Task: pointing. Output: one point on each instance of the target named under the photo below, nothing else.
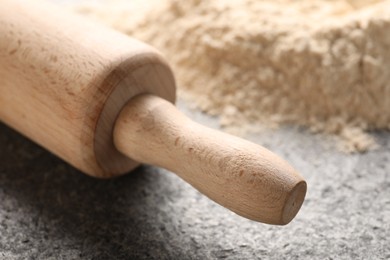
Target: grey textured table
(49, 210)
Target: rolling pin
(104, 103)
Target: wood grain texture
(240, 175)
(64, 79)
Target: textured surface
(49, 210)
(318, 63)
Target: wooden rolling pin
(103, 102)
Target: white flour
(316, 63)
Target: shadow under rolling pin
(103, 102)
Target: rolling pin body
(103, 102)
(63, 80)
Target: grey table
(49, 210)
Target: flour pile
(315, 63)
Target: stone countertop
(49, 210)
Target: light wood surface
(240, 175)
(64, 79)
(63, 82)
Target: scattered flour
(316, 63)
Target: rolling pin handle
(240, 175)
